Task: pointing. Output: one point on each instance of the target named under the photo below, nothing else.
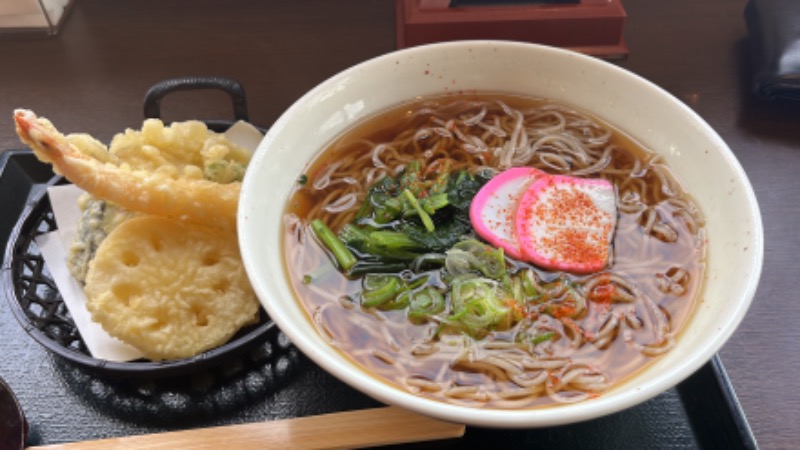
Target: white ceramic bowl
(652, 116)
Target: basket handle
(153, 97)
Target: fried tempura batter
(169, 288)
(159, 192)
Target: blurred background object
(594, 27)
(774, 30)
(36, 16)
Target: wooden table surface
(92, 77)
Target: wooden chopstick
(351, 429)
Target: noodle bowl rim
(257, 210)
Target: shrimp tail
(197, 201)
(50, 146)
(33, 132)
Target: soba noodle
(631, 311)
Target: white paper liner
(53, 245)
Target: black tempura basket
(37, 304)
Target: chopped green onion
(538, 339)
(424, 304)
(365, 210)
(391, 245)
(441, 180)
(471, 255)
(434, 203)
(421, 262)
(343, 255)
(399, 302)
(529, 284)
(426, 219)
(411, 174)
(387, 210)
(379, 289)
(354, 236)
(517, 290)
(419, 282)
(479, 306)
(302, 179)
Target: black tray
(65, 402)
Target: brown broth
(372, 338)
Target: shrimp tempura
(197, 201)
